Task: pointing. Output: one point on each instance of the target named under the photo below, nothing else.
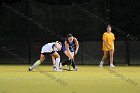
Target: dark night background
(85, 19)
(69, 16)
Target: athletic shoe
(101, 65)
(76, 68)
(112, 66)
(30, 69)
(58, 70)
(54, 68)
(60, 66)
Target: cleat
(76, 68)
(60, 66)
(58, 70)
(54, 68)
(112, 66)
(29, 69)
(101, 65)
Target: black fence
(90, 53)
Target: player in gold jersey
(108, 46)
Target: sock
(36, 64)
(57, 60)
(73, 63)
(69, 63)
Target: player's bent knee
(42, 60)
(56, 55)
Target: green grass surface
(88, 79)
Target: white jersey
(49, 48)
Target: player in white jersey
(49, 48)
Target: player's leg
(53, 60)
(111, 53)
(38, 62)
(74, 65)
(70, 57)
(65, 62)
(54, 63)
(56, 57)
(103, 58)
(69, 54)
(73, 62)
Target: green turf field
(88, 79)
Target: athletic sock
(57, 60)
(36, 64)
(73, 63)
(69, 64)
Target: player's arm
(66, 46)
(76, 45)
(104, 40)
(106, 44)
(114, 36)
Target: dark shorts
(48, 53)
